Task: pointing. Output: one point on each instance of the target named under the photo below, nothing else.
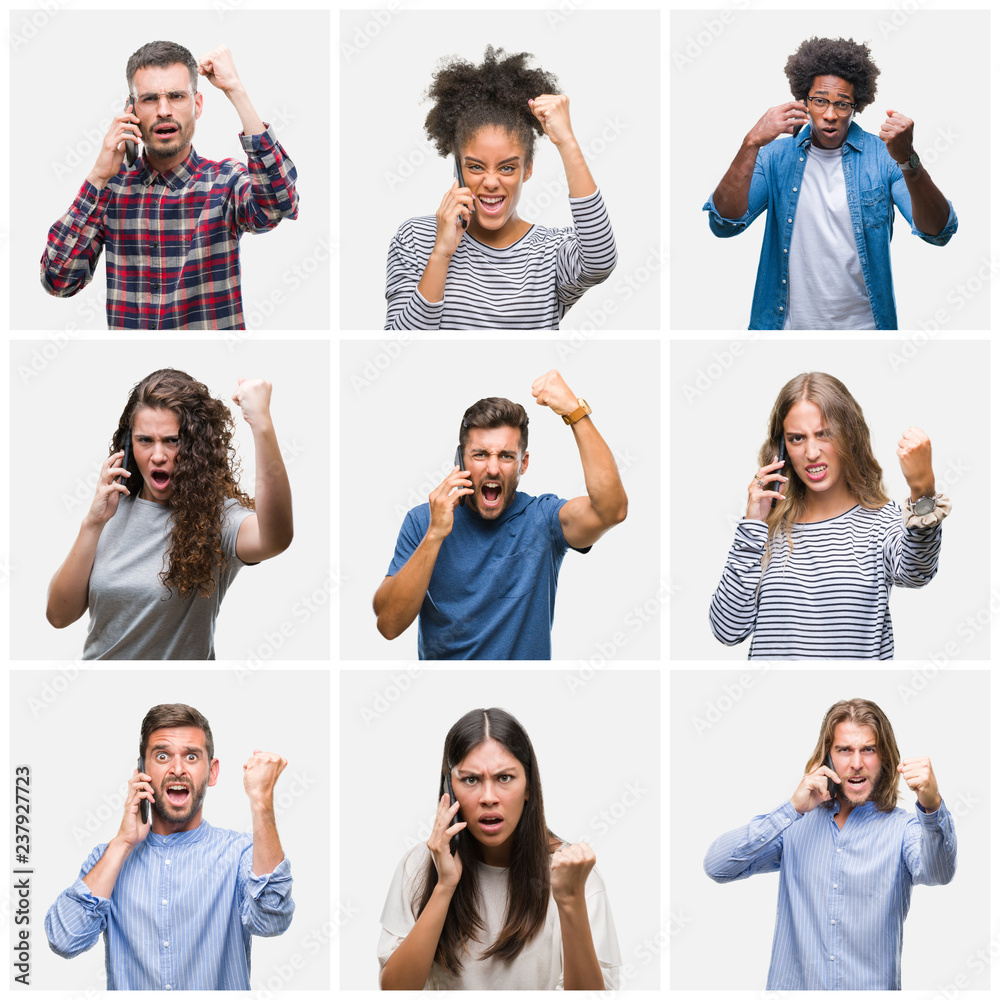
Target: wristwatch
(911, 163)
(578, 414)
(924, 505)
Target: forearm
(267, 851)
(273, 495)
(600, 473)
(732, 196)
(410, 964)
(578, 177)
(929, 205)
(101, 879)
(752, 849)
(69, 589)
(74, 245)
(251, 121)
(733, 611)
(399, 598)
(432, 282)
(581, 969)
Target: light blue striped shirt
(181, 914)
(842, 894)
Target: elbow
(387, 629)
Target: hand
(109, 490)
(448, 865)
(779, 120)
(260, 775)
(919, 775)
(457, 204)
(570, 867)
(444, 499)
(253, 395)
(897, 134)
(914, 453)
(552, 391)
(220, 70)
(112, 153)
(133, 831)
(813, 790)
(759, 504)
(552, 110)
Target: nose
(488, 794)
(856, 760)
(159, 453)
(493, 465)
(163, 108)
(829, 114)
(812, 448)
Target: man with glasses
(171, 222)
(829, 196)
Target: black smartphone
(782, 457)
(460, 462)
(143, 803)
(131, 149)
(457, 818)
(127, 455)
(461, 184)
(831, 785)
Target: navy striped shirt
(526, 286)
(842, 894)
(829, 597)
(181, 914)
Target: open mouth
(165, 131)
(490, 823)
(492, 204)
(857, 783)
(491, 492)
(160, 479)
(178, 795)
(815, 472)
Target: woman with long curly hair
(814, 560)
(477, 263)
(495, 900)
(169, 526)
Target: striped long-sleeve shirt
(172, 240)
(842, 894)
(181, 914)
(526, 286)
(829, 597)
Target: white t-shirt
(826, 289)
(537, 967)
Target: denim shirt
(874, 181)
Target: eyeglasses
(842, 108)
(180, 100)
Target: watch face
(914, 161)
(923, 506)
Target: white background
(720, 90)
(597, 741)
(400, 429)
(400, 175)
(72, 408)
(721, 423)
(80, 734)
(750, 757)
(81, 95)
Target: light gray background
(733, 79)
(941, 387)
(400, 431)
(759, 748)
(597, 740)
(77, 60)
(79, 733)
(277, 610)
(615, 109)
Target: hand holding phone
(451, 801)
(131, 149)
(143, 803)
(782, 457)
(461, 183)
(831, 785)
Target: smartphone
(143, 803)
(831, 785)
(782, 457)
(460, 462)
(461, 184)
(131, 149)
(451, 801)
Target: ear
(213, 771)
(524, 464)
(199, 100)
(527, 172)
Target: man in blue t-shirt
(481, 573)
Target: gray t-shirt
(133, 616)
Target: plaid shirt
(173, 239)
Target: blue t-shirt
(493, 590)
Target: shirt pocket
(874, 208)
(516, 574)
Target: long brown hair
(849, 434)
(861, 712)
(529, 870)
(206, 474)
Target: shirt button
(786, 249)
(835, 885)
(838, 850)
(794, 190)
(833, 921)
(762, 840)
(155, 287)
(163, 901)
(789, 221)
(781, 309)
(784, 281)
(166, 944)
(168, 987)
(831, 958)
(167, 861)
(801, 158)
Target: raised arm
(570, 867)
(930, 208)
(260, 774)
(930, 848)
(219, 69)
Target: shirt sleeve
(590, 255)
(756, 203)
(266, 904)
(75, 243)
(77, 918)
(265, 193)
(752, 849)
(602, 932)
(406, 308)
(930, 849)
(397, 917)
(733, 611)
(411, 534)
(911, 554)
(901, 197)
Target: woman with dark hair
(495, 900)
(476, 264)
(814, 560)
(169, 526)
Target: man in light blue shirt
(848, 858)
(177, 899)
(829, 194)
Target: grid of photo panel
(380, 336)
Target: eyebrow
(166, 746)
(838, 92)
(847, 746)
(510, 159)
(496, 774)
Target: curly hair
(468, 98)
(843, 57)
(206, 474)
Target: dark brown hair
(161, 54)
(494, 411)
(175, 716)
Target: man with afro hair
(829, 195)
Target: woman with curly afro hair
(830, 193)
(169, 526)
(477, 264)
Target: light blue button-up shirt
(842, 894)
(874, 183)
(181, 914)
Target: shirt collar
(176, 178)
(855, 137)
(178, 839)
